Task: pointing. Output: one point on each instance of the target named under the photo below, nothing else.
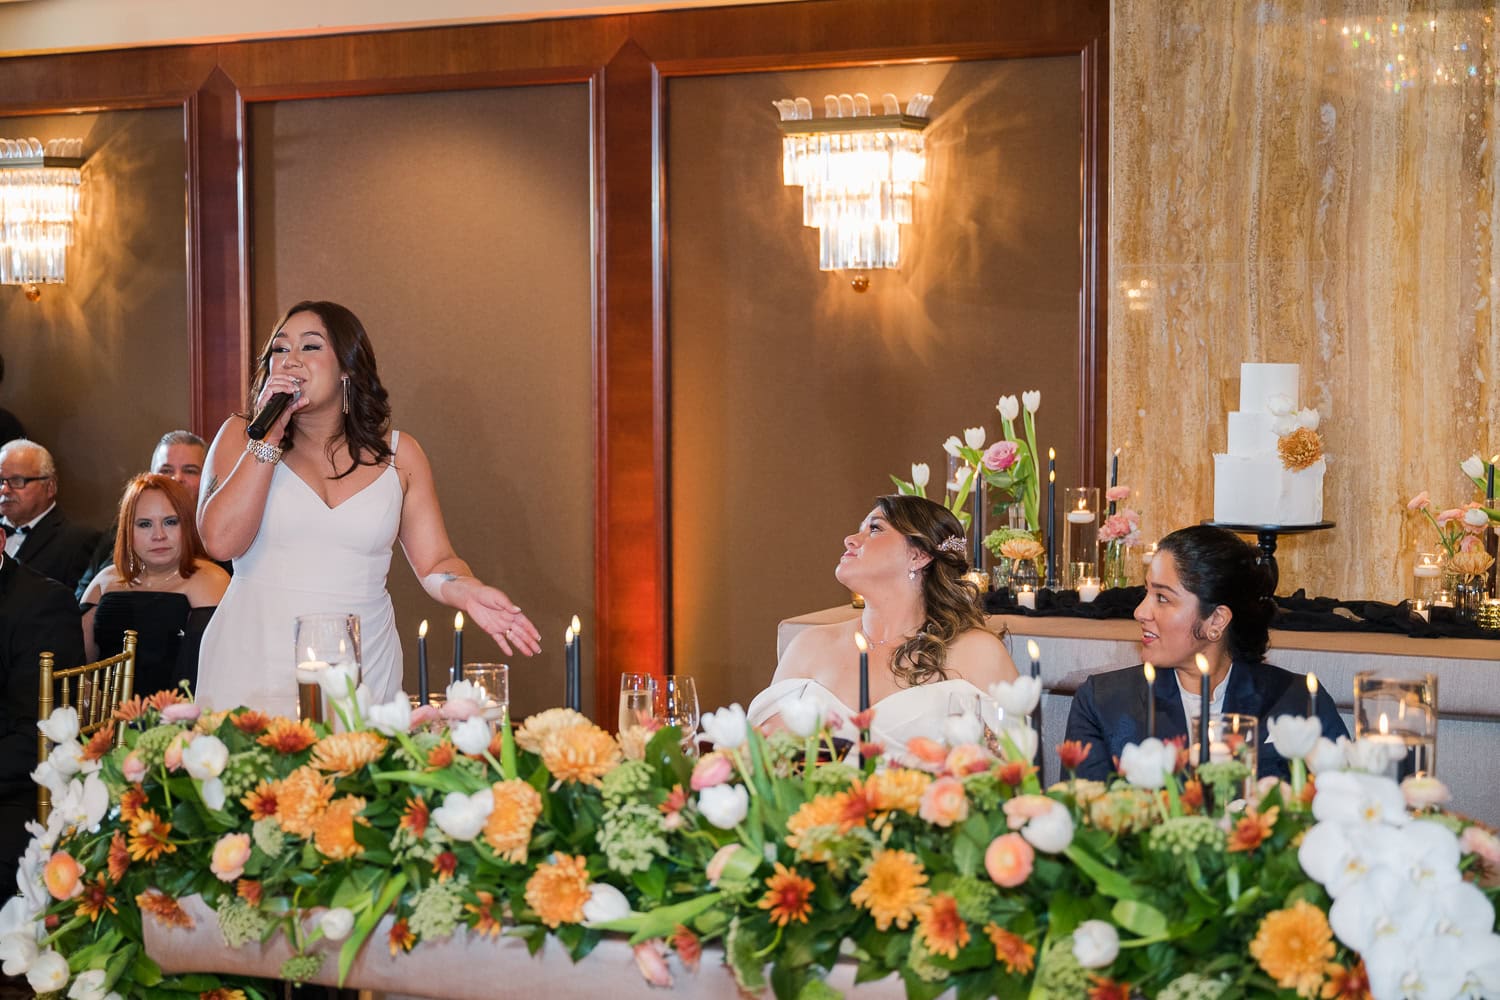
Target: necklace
(145, 582)
(887, 641)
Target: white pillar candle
(1026, 598)
(1088, 589)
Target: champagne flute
(637, 700)
(680, 709)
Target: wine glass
(637, 700)
(680, 709)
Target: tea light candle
(309, 669)
(1148, 554)
(1088, 589)
(1080, 516)
(1425, 571)
(1026, 597)
(1422, 609)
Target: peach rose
(944, 803)
(966, 758)
(927, 751)
(1477, 840)
(230, 855)
(173, 756)
(714, 769)
(133, 768)
(1025, 807)
(63, 876)
(715, 869)
(1009, 859)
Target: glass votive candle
(1026, 597)
(1231, 737)
(1422, 609)
(1080, 542)
(1088, 589)
(1427, 576)
(1400, 715)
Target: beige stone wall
(1284, 202)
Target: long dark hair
(949, 602)
(369, 413)
(129, 565)
(1218, 568)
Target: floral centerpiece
(950, 867)
(1120, 531)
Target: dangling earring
(911, 574)
(346, 393)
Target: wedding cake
(1273, 473)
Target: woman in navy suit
(1206, 594)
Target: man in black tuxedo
(36, 614)
(41, 537)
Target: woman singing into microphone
(309, 515)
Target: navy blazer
(1109, 711)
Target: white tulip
(962, 729)
(1372, 757)
(1475, 517)
(1018, 698)
(336, 923)
(952, 445)
(1308, 418)
(800, 715)
(1473, 466)
(1022, 736)
(1294, 735)
(1327, 755)
(725, 806)
(605, 903)
(88, 986)
(1009, 407)
(726, 728)
(463, 816)
(466, 691)
(205, 757)
(212, 792)
(974, 437)
(920, 474)
(1147, 764)
(1052, 831)
(1032, 400)
(1096, 943)
(17, 952)
(61, 726)
(471, 736)
(335, 680)
(392, 718)
(49, 973)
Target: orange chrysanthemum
(261, 801)
(250, 722)
(538, 729)
(130, 709)
(101, 743)
(333, 832)
(1011, 950)
(941, 928)
(164, 908)
(444, 865)
(345, 753)
(508, 830)
(898, 790)
(148, 836)
(485, 923)
(582, 754)
(131, 801)
(119, 857)
(677, 800)
(162, 699)
(1346, 983)
(441, 755)
(286, 736)
(558, 889)
(689, 949)
(301, 798)
(96, 899)
(415, 817)
(1105, 988)
(249, 890)
(222, 993)
(401, 938)
(1252, 829)
(856, 805)
(819, 812)
(1192, 795)
(788, 896)
(1293, 946)
(894, 889)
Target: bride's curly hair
(950, 603)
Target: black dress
(168, 632)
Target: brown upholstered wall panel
(456, 225)
(98, 369)
(793, 397)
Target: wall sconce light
(38, 199)
(857, 171)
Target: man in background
(39, 535)
(179, 455)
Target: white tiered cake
(1251, 484)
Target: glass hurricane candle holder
(1427, 576)
(493, 681)
(1400, 715)
(1232, 739)
(318, 643)
(1080, 541)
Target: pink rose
(460, 709)
(651, 959)
(715, 869)
(1117, 493)
(181, 711)
(424, 715)
(1000, 456)
(1421, 792)
(133, 768)
(713, 769)
(1479, 841)
(966, 758)
(1419, 502)
(944, 803)
(1025, 807)
(1451, 514)
(1009, 860)
(230, 855)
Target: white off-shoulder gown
(899, 717)
(307, 558)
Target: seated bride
(931, 654)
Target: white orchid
(1340, 855)
(1096, 943)
(1032, 400)
(1473, 466)
(920, 475)
(974, 437)
(1294, 735)
(1009, 407)
(1281, 405)
(800, 715)
(1147, 764)
(1371, 756)
(952, 445)
(61, 726)
(1018, 698)
(463, 816)
(605, 903)
(471, 736)
(18, 950)
(205, 757)
(336, 923)
(49, 777)
(726, 728)
(725, 806)
(1354, 797)
(1308, 418)
(1052, 831)
(67, 758)
(392, 718)
(82, 805)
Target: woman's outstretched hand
(492, 611)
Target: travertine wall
(1283, 200)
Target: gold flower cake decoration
(1300, 449)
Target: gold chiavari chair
(94, 689)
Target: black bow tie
(11, 529)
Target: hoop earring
(346, 393)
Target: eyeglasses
(18, 482)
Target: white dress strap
(395, 442)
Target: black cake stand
(1265, 537)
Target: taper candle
(422, 695)
(978, 524)
(1206, 694)
(1150, 700)
(575, 667)
(457, 673)
(1051, 517)
(1114, 477)
(864, 671)
(1489, 489)
(1312, 696)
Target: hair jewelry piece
(953, 543)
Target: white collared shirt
(16, 539)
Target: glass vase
(1117, 556)
(1468, 596)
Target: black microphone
(263, 420)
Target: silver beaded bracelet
(263, 452)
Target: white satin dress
(307, 558)
(899, 717)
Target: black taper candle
(1114, 477)
(457, 673)
(864, 671)
(423, 697)
(1150, 700)
(1205, 692)
(979, 519)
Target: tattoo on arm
(447, 577)
(211, 487)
